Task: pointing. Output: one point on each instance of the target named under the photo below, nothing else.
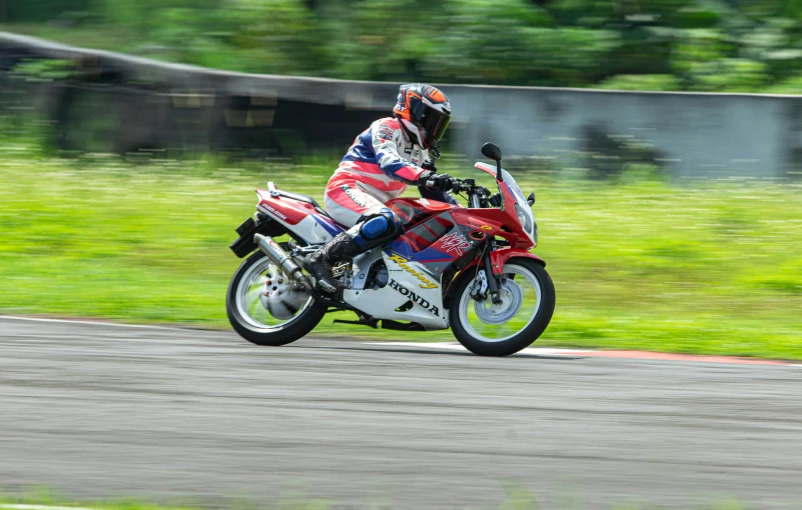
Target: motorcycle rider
(383, 160)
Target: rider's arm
(434, 194)
(386, 136)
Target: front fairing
(514, 203)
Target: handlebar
(460, 186)
(478, 196)
(469, 185)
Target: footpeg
(373, 323)
(326, 286)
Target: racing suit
(378, 167)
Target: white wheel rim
(503, 322)
(249, 290)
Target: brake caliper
(479, 287)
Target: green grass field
(516, 497)
(698, 267)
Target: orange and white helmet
(424, 111)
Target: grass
(517, 497)
(710, 268)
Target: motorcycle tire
(295, 328)
(469, 337)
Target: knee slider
(378, 229)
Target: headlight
(524, 218)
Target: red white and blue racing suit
(378, 167)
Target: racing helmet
(424, 111)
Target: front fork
(492, 280)
(486, 280)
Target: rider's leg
(377, 227)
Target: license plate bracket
(244, 244)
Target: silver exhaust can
(281, 258)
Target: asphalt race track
(101, 411)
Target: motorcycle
(464, 268)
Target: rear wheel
(266, 308)
(528, 299)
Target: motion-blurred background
(697, 45)
(670, 221)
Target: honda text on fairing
(464, 268)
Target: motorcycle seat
(309, 200)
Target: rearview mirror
(491, 151)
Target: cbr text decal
(454, 243)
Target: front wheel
(486, 329)
(266, 308)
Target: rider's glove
(440, 182)
(429, 165)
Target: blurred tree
(379, 40)
(508, 41)
(730, 75)
(490, 42)
(40, 10)
(279, 35)
(654, 44)
(661, 82)
(790, 86)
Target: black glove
(429, 165)
(440, 182)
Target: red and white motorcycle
(464, 268)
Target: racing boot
(340, 249)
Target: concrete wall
(151, 103)
(692, 135)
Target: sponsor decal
(402, 262)
(416, 158)
(414, 297)
(385, 133)
(274, 212)
(454, 243)
(353, 195)
(475, 224)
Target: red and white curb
(42, 507)
(83, 321)
(549, 352)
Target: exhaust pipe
(282, 259)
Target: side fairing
(436, 243)
(412, 292)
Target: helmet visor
(435, 124)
